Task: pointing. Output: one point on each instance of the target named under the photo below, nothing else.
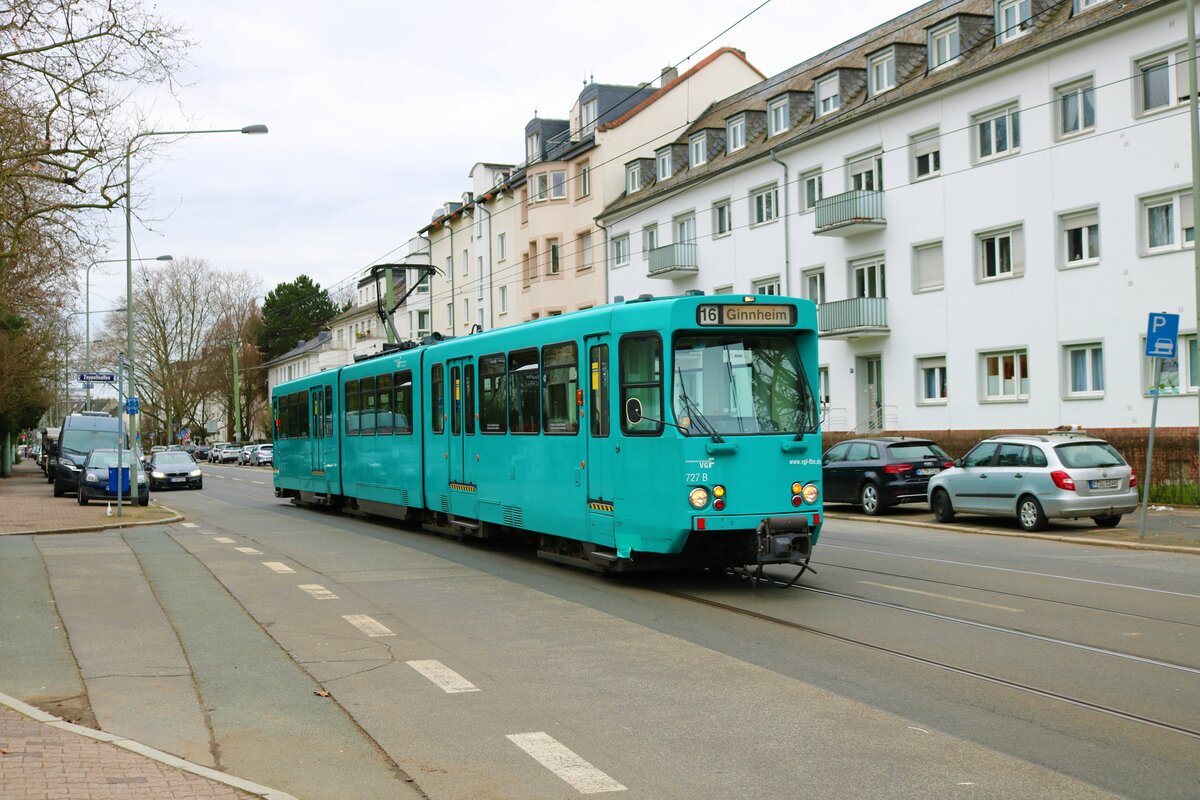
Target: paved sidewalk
(47, 759)
(28, 505)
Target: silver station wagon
(1036, 479)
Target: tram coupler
(784, 540)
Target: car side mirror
(633, 410)
(958, 462)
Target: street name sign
(97, 377)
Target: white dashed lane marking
(236, 479)
(223, 539)
(189, 525)
(368, 625)
(443, 677)
(318, 591)
(250, 551)
(260, 483)
(552, 755)
(277, 566)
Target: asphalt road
(916, 663)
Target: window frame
(1019, 396)
(807, 277)
(772, 284)
(484, 417)
(774, 107)
(1089, 349)
(350, 407)
(585, 180)
(1082, 216)
(649, 239)
(886, 59)
(764, 205)
(1078, 89)
(719, 206)
(697, 149)
(624, 386)
(558, 184)
(921, 144)
(543, 382)
(1010, 113)
(1016, 255)
(1186, 363)
(1173, 63)
(512, 387)
(735, 134)
(437, 391)
(812, 178)
(949, 33)
(821, 93)
(1175, 200)
(917, 250)
(620, 250)
(662, 164)
(633, 178)
(937, 365)
(874, 266)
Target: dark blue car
(93, 478)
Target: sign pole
(1150, 450)
(120, 428)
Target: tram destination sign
(746, 314)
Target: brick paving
(40, 762)
(28, 505)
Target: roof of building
(308, 346)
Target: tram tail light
(1062, 480)
(579, 397)
(719, 504)
(797, 500)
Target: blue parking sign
(1162, 333)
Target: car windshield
(84, 441)
(1089, 454)
(916, 450)
(742, 383)
(165, 459)
(102, 459)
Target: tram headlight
(810, 493)
(698, 497)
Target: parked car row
(250, 454)
(1034, 478)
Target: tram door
(599, 423)
(463, 499)
(316, 435)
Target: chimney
(668, 74)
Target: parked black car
(174, 470)
(92, 483)
(882, 472)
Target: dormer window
(881, 73)
(662, 164)
(778, 119)
(533, 147)
(697, 150)
(633, 178)
(828, 99)
(1012, 19)
(587, 118)
(735, 134)
(943, 44)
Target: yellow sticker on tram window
(456, 390)
(595, 376)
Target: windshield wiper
(689, 406)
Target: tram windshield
(741, 383)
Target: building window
(1162, 81)
(697, 150)
(662, 164)
(503, 297)
(1012, 19)
(778, 119)
(867, 173)
(928, 267)
(722, 218)
(943, 45)
(649, 240)
(1171, 371)
(933, 380)
(585, 179)
(764, 205)
(926, 149)
(450, 316)
(814, 285)
(1081, 238)
(881, 73)
(998, 133)
(1169, 222)
(735, 134)
(999, 254)
(811, 189)
(827, 98)
(585, 251)
(501, 247)
(869, 277)
(1006, 376)
(466, 311)
(552, 252)
(766, 286)
(558, 184)
(587, 118)
(633, 178)
(723, 290)
(542, 182)
(533, 147)
(620, 250)
(423, 328)
(466, 262)
(685, 229)
(1076, 109)
(1085, 370)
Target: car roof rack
(1039, 437)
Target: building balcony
(856, 318)
(850, 213)
(673, 261)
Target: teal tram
(652, 433)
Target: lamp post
(87, 343)
(129, 354)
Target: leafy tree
(294, 311)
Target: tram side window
(493, 394)
(598, 362)
(328, 411)
(455, 401)
(318, 411)
(437, 398)
(641, 377)
(302, 408)
(366, 414)
(383, 405)
(351, 408)
(524, 386)
(560, 382)
(403, 408)
(290, 421)
(469, 396)
(276, 433)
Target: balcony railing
(850, 213)
(855, 318)
(674, 260)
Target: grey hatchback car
(1036, 479)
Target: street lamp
(250, 129)
(87, 315)
(87, 345)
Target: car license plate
(928, 471)
(178, 480)
(1109, 483)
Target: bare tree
(236, 326)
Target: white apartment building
(986, 199)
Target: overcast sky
(377, 110)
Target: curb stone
(175, 517)
(169, 760)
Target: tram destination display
(746, 314)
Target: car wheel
(1107, 520)
(200, 485)
(868, 497)
(1030, 514)
(59, 489)
(943, 509)
(83, 499)
(143, 501)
